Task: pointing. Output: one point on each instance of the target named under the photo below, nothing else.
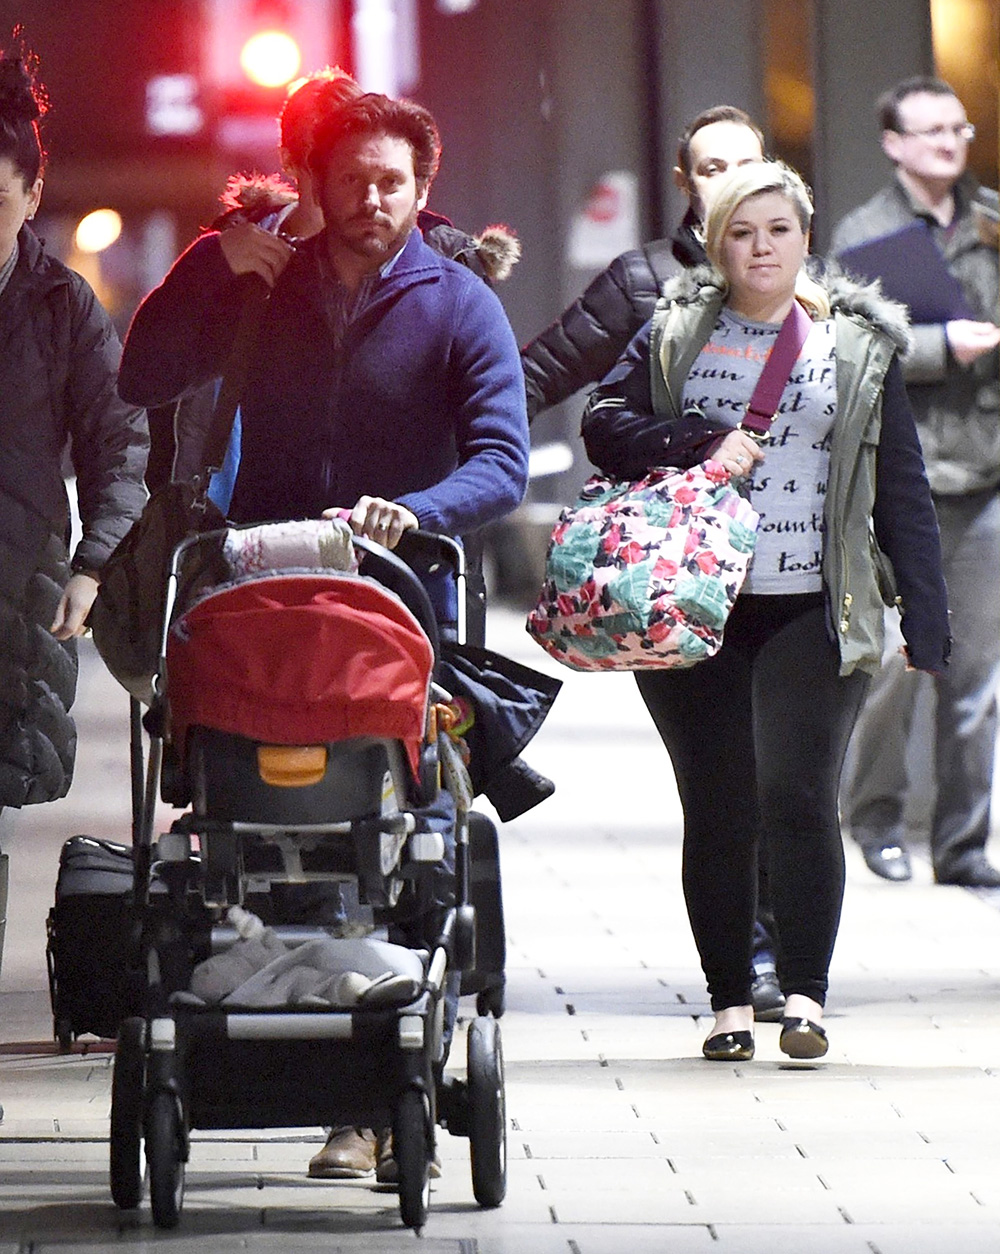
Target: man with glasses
(952, 379)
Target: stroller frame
(184, 1065)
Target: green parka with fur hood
(881, 539)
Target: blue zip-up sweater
(422, 403)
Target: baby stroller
(296, 713)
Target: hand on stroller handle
(377, 519)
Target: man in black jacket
(582, 346)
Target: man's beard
(378, 248)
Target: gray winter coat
(957, 408)
(58, 367)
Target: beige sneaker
(349, 1154)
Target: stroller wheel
(126, 1114)
(487, 1112)
(62, 1030)
(492, 1000)
(412, 1150)
(164, 1156)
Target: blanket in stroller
(259, 970)
(300, 543)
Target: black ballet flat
(801, 1038)
(729, 1047)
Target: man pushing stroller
(386, 381)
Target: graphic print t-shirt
(788, 488)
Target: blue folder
(913, 271)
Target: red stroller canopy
(301, 659)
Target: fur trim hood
(257, 195)
(847, 295)
(499, 251)
(492, 254)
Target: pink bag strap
(767, 394)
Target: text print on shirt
(788, 487)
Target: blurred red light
(271, 58)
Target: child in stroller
(296, 711)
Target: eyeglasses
(964, 130)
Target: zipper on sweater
(847, 600)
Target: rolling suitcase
(487, 980)
(89, 929)
(88, 939)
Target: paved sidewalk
(621, 1137)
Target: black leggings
(757, 737)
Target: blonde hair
(756, 178)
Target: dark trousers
(757, 737)
(876, 786)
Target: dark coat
(58, 365)
(955, 406)
(581, 347)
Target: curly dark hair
(23, 102)
(373, 114)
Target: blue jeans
(965, 709)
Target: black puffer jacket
(582, 346)
(58, 367)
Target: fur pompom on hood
(257, 194)
(499, 251)
(847, 295)
(492, 254)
